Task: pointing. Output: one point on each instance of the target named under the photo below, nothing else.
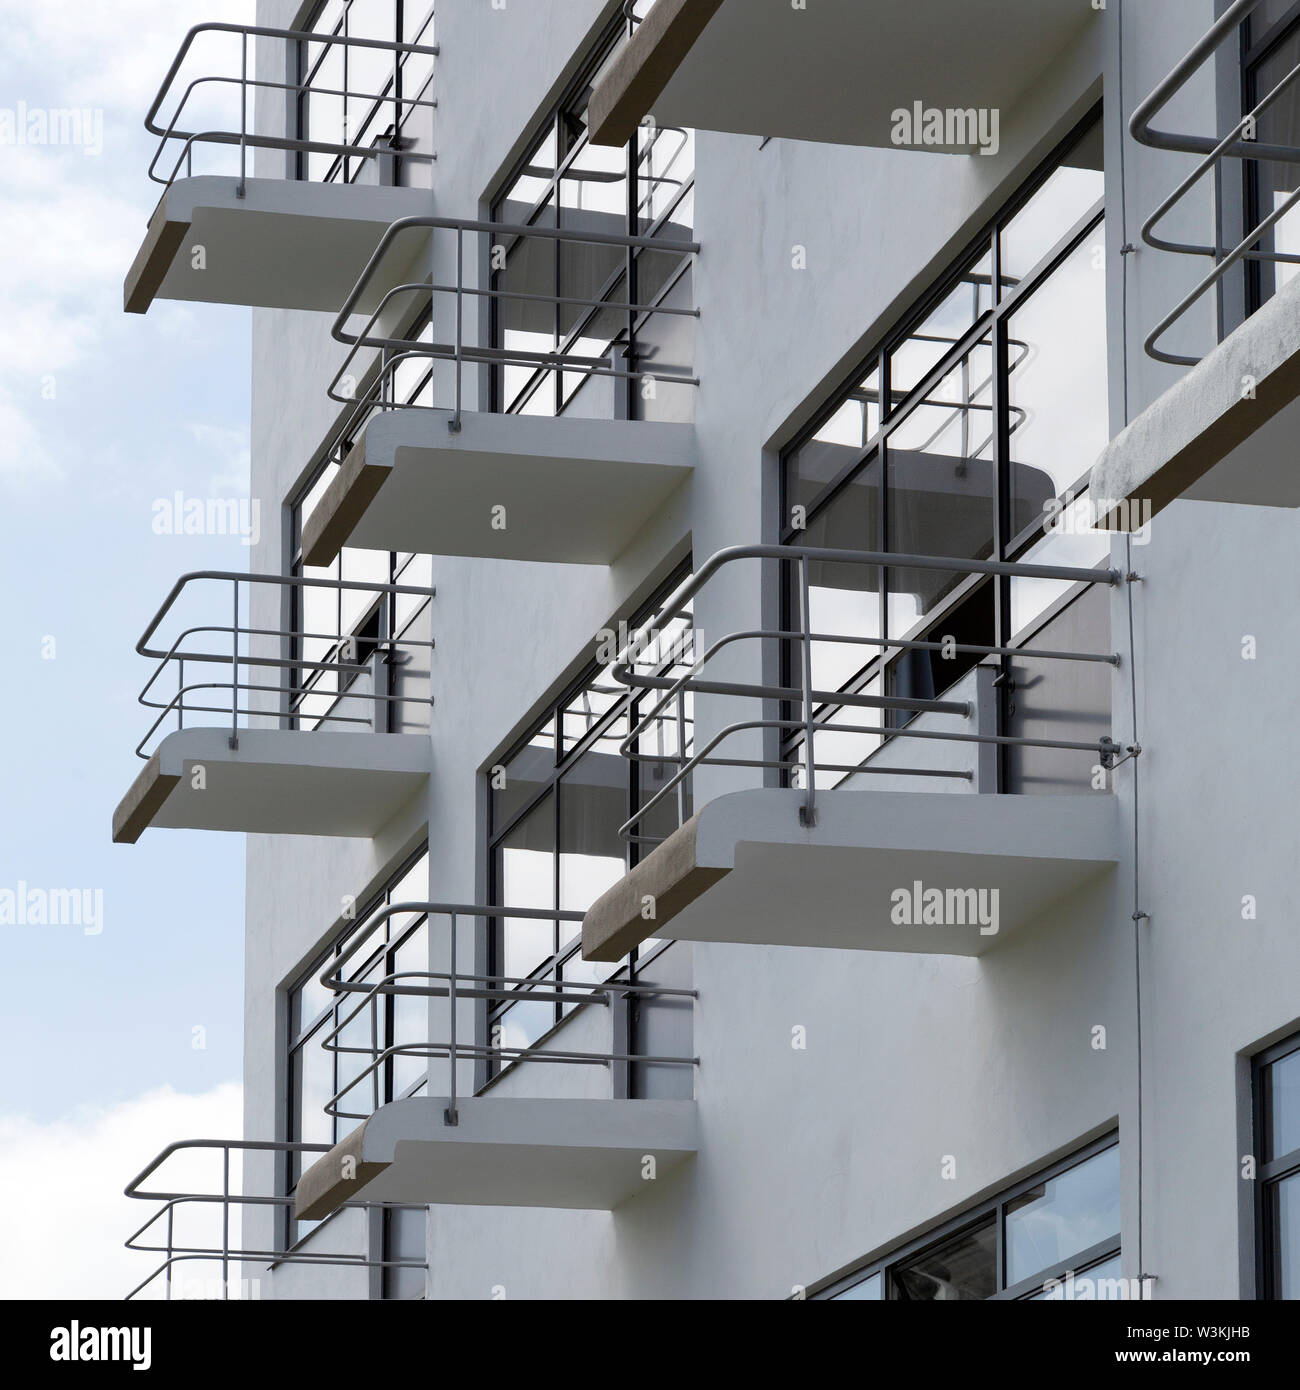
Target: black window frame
(973, 1218)
(894, 412)
(566, 123)
(391, 170)
(628, 707)
(1270, 1171)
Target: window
(969, 432)
(358, 96)
(1270, 50)
(384, 629)
(644, 190)
(1039, 1240)
(555, 812)
(1277, 1147)
(341, 1074)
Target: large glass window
(645, 189)
(969, 432)
(360, 96)
(1271, 51)
(1277, 1141)
(557, 802)
(1028, 1243)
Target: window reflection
(1066, 1215)
(958, 1270)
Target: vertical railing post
(455, 422)
(243, 120)
(167, 1278)
(234, 674)
(681, 757)
(451, 1117)
(180, 692)
(808, 811)
(225, 1221)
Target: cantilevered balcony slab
(579, 1154)
(513, 487)
(834, 71)
(1224, 433)
(745, 870)
(278, 781)
(286, 244)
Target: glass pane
(1068, 194)
(1072, 541)
(837, 443)
(1276, 182)
(314, 1086)
(526, 869)
(1282, 1107)
(941, 491)
(1099, 1282)
(872, 1287)
(593, 804)
(410, 1011)
(523, 777)
(1056, 356)
(963, 1268)
(944, 327)
(1286, 1238)
(1061, 1217)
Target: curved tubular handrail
(811, 700)
(261, 32)
(1140, 123)
(339, 331)
(446, 985)
(177, 1253)
(303, 145)
(281, 580)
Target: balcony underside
(578, 1154)
(1224, 433)
(287, 244)
(835, 71)
(510, 487)
(278, 781)
(745, 870)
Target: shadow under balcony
(894, 830)
(511, 483)
(349, 747)
(835, 71)
(228, 234)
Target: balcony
(275, 215)
(323, 709)
(835, 71)
(1224, 431)
(202, 1223)
(487, 1137)
(435, 468)
(837, 847)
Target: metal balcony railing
(455, 985)
(236, 125)
(227, 1245)
(1240, 143)
(796, 713)
(492, 241)
(339, 675)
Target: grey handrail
(226, 1253)
(809, 700)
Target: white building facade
(758, 721)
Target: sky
(123, 1037)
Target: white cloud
(72, 222)
(65, 1217)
